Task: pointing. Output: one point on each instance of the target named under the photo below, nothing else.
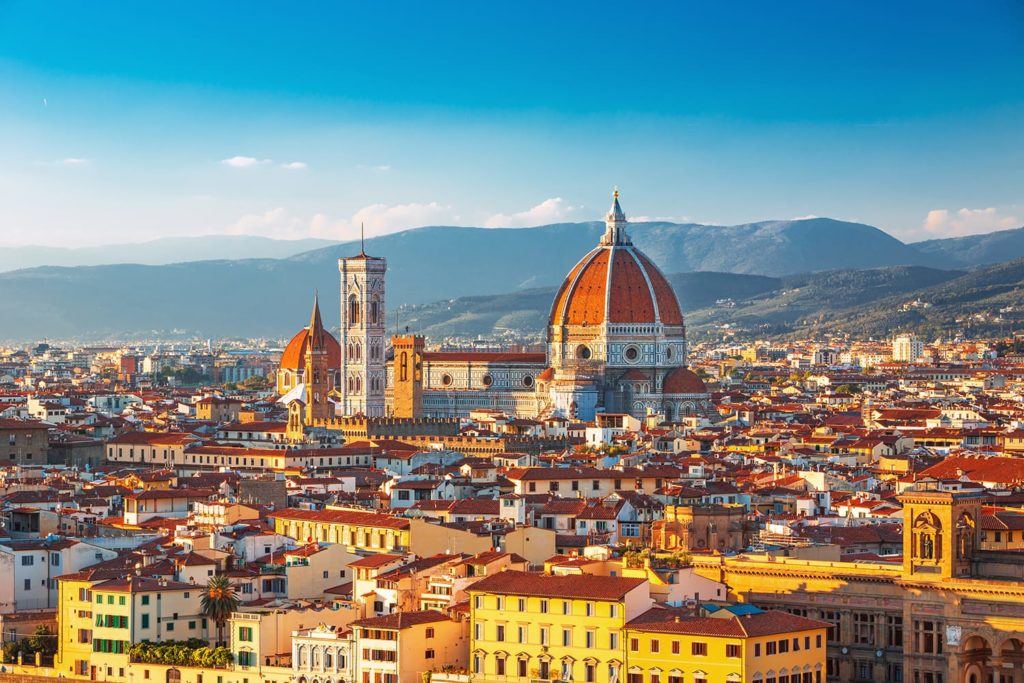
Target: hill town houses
(615, 505)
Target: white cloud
(244, 162)
(945, 223)
(808, 217)
(659, 219)
(383, 218)
(379, 219)
(295, 166)
(277, 223)
(553, 210)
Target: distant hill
(974, 250)
(156, 252)
(497, 277)
(527, 311)
(497, 261)
(985, 301)
(709, 300)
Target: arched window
(375, 310)
(173, 676)
(353, 310)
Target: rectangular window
(675, 647)
(499, 633)
(27, 560)
(145, 599)
(245, 634)
(634, 645)
(863, 628)
(566, 637)
(927, 638)
(145, 621)
(655, 645)
(699, 649)
(732, 650)
(894, 630)
(543, 606)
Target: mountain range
(469, 270)
(156, 252)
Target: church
(616, 343)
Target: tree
(256, 383)
(218, 602)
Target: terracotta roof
(401, 620)
(683, 381)
(294, 356)
(661, 620)
(639, 292)
(543, 585)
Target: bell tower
(940, 531)
(317, 371)
(362, 334)
(407, 376)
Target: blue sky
(126, 122)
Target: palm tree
(218, 602)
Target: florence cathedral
(616, 343)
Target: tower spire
(362, 239)
(316, 325)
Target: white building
(907, 348)
(28, 570)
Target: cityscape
(294, 389)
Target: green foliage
(218, 601)
(256, 383)
(42, 641)
(192, 652)
(183, 376)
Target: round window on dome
(487, 380)
(583, 351)
(668, 352)
(632, 353)
(446, 380)
(528, 381)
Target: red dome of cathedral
(615, 283)
(683, 381)
(294, 356)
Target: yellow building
(536, 626)
(357, 530)
(673, 646)
(100, 617)
(953, 612)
